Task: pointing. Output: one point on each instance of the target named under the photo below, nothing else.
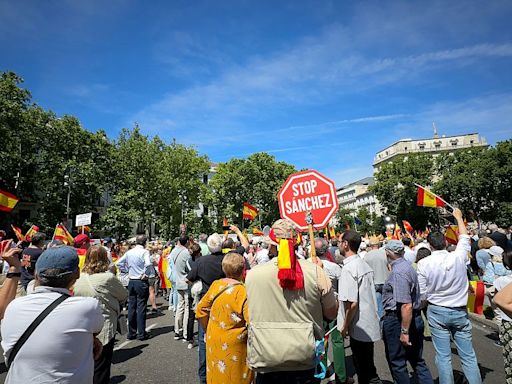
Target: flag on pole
(257, 232)
(84, 228)
(31, 232)
(163, 264)
(452, 234)
(249, 212)
(61, 233)
(7, 201)
(429, 199)
(18, 233)
(332, 233)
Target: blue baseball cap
(395, 246)
(63, 258)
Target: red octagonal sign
(308, 191)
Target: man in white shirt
(62, 348)
(136, 261)
(444, 284)
(357, 314)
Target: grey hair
(323, 248)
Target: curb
(483, 321)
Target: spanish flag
(476, 297)
(332, 232)
(163, 264)
(428, 199)
(257, 232)
(62, 234)
(249, 212)
(18, 233)
(397, 233)
(451, 235)
(7, 201)
(31, 232)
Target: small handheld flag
(257, 232)
(61, 233)
(18, 233)
(7, 201)
(31, 232)
(427, 198)
(249, 212)
(451, 234)
(407, 226)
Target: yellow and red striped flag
(397, 233)
(452, 234)
(249, 212)
(429, 199)
(476, 297)
(31, 232)
(61, 233)
(257, 232)
(7, 201)
(18, 233)
(332, 233)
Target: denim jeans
(378, 295)
(202, 355)
(397, 355)
(138, 293)
(453, 323)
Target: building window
(471, 142)
(454, 143)
(405, 148)
(422, 147)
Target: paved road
(164, 360)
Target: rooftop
(366, 181)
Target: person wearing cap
(495, 267)
(402, 324)
(82, 243)
(444, 284)
(63, 347)
(357, 315)
(376, 259)
(288, 299)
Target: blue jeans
(201, 371)
(453, 323)
(398, 355)
(138, 293)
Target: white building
(356, 195)
(433, 146)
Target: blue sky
(320, 84)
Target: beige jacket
(109, 291)
(284, 324)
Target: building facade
(433, 146)
(357, 195)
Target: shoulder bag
(32, 327)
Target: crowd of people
(266, 309)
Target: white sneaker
(190, 345)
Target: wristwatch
(10, 275)
(404, 331)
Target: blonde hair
(233, 265)
(485, 243)
(96, 260)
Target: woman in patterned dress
(223, 313)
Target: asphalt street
(161, 359)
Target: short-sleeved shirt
(30, 256)
(60, 349)
(378, 262)
(356, 286)
(401, 287)
(207, 269)
(499, 284)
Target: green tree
(256, 180)
(395, 189)
(344, 217)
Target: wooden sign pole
(309, 221)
